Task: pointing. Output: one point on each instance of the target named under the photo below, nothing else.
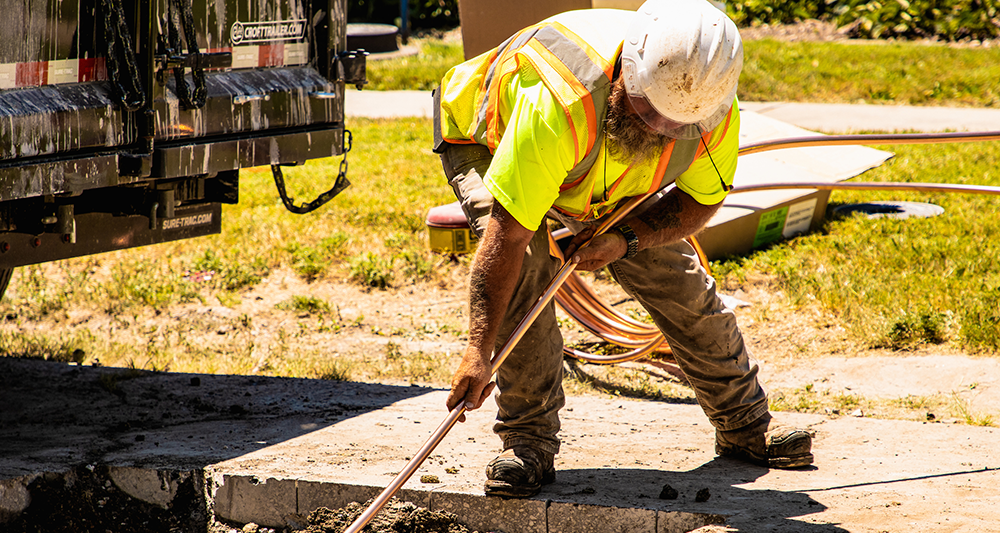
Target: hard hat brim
(669, 128)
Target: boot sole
(507, 490)
(784, 462)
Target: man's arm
(495, 270)
(676, 216)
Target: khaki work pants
(668, 282)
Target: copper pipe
(887, 138)
(498, 358)
(568, 268)
(580, 302)
(869, 186)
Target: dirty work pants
(667, 281)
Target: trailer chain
(121, 55)
(339, 184)
(181, 13)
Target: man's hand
(471, 383)
(607, 247)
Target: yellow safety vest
(574, 53)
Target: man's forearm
(494, 274)
(675, 217)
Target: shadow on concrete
(56, 416)
(713, 488)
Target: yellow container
(448, 231)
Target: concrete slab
(271, 450)
(388, 104)
(825, 118)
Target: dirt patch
(396, 517)
(87, 498)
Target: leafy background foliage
(949, 20)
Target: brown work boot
(519, 472)
(760, 444)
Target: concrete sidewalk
(826, 118)
(271, 450)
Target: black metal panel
(59, 118)
(243, 101)
(104, 232)
(47, 30)
(192, 159)
(53, 177)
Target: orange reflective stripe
(661, 167)
(708, 136)
(567, 89)
(507, 67)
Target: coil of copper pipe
(579, 301)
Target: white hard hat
(681, 61)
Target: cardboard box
(753, 219)
(745, 228)
(487, 23)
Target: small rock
(702, 496)
(858, 413)
(451, 470)
(931, 417)
(250, 528)
(429, 478)
(668, 493)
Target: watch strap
(630, 240)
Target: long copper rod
(880, 138)
(568, 268)
(498, 358)
(877, 185)
(585, 306)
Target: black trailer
(125, 122)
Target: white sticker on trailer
(296, 53)
(64, 71)
(799, 218)
(8, 75)
(259, 32)
(246, 56)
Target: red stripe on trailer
(92, 69)
(271, 55)
(32, 74)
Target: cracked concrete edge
(280, 503)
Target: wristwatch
(630, 239)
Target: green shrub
(949, 20)
(372, 271)
(753, 12)
(980, 322)
(423, 13)
(305, 304)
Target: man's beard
(628, 140)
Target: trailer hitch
(339, 184)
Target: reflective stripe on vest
(577, 75)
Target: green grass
(901, 283)
(886, 73)
(420, 72)
(892, 284)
